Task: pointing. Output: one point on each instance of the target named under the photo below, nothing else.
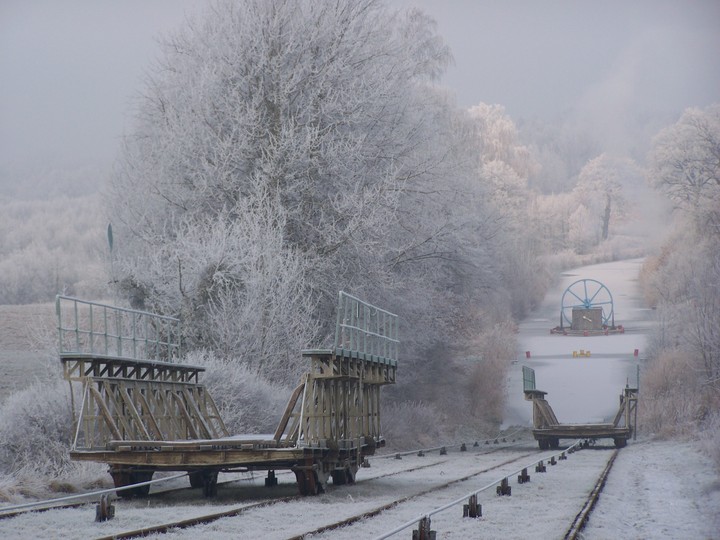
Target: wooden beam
(105, 412)
(288, 410)
(149, 414)
(123, 392)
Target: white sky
(68, 69)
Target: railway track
(573, 533)
(526, 514)
(89, 498)
(229, 491)
(341, 492)
(386, 496)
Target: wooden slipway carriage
(548, 431)
(143, 410)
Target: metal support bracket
(523, 477)
(423, 531)
(504, 489)
(472, 508)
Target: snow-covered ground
(656, 490)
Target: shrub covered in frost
(36, 428)
(248, 403)
(411, 425)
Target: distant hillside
(50, 246)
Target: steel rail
(200, 520)
(444, 446)
(209, 518)
(388, 506)
(45, 505)
(582, 517)
(194, 522)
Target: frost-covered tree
(503, 167)
(48, 247)
(320, 114)
(288, 149)
(319, 104)
(582, 229)
(600, 189)
(499, 140)
(685, 165)
(683, 280)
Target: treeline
(682, 378)
(285, 151)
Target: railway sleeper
(104, 510)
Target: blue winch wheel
(586, 294)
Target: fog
(621, 70)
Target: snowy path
(658, 490)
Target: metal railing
(91, 328)
(366, 329)
(528, 378)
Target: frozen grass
(676, 403)
(36, 429)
